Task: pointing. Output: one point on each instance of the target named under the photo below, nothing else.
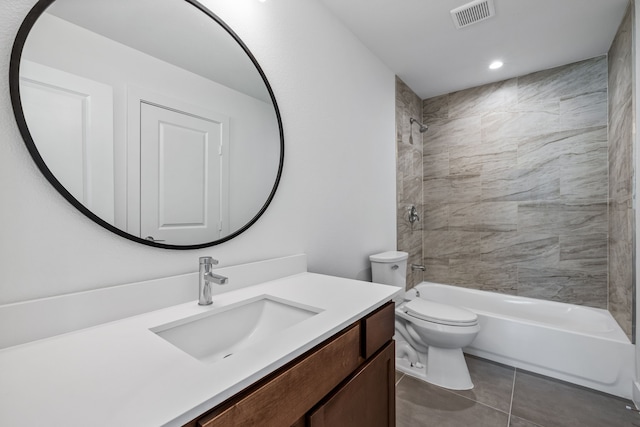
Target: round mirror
(149, 116)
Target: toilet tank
(390, 268)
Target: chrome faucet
(206, 278)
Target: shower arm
(422, 128)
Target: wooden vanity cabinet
(366, 400)
(348, 380)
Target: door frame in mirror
(14, 89)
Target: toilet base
(444, 367)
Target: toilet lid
(440, 313)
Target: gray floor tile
(519, 422)
(552, 403)
(398, 376)
(492, 383)
(419, 404)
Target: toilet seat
(443, 314)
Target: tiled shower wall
(526, 189)
(409, 177)
(621, 210)
(515, 185)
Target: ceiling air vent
(473, 12)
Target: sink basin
(213, 336)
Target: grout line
(513, 392)
(401, 377)
(455, 393)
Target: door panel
(183, 176)
(71, 120)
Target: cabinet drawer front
(289, 395)
(366, 400)
(379, 328)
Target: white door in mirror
(183, 176)
(70, 118)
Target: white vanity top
(122, 374)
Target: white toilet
(429, 335)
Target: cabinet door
(285, 398)
(367, 400)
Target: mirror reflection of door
(183, 175)
(71, 117)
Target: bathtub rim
(617, 335)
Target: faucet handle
(208, 260)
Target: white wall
(336, 201)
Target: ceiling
(173, 31)
(418, 41)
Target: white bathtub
(581, 345)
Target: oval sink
(213, 336)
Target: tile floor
(507, 397)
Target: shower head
(422, 129)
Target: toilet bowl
(429, 335)
(444, 330)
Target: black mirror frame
(14, 89)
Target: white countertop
(122, 374)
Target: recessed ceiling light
(495, 65)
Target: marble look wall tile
(484, 275)
(493, 155)
(409, 176)
(563, 285)
(620, 262)
(584, 176)
(410, 160)
(436, 217)
(436, 190)
(581, 247)
(562, 217)
(620, 64)
(465, 164)
(414, 276)
(518, 248)
(622, 214)
(436, 165)
(534, 147)
(412, 190)
(452, 244)
(515, 184)
(435, 108)
(407, 105)
(405, 228)
(538, 150)
(465, 188)
(443, 134)
(435, 140)
(539, 118)
(436, 270)
(621, 151)
(500, 162)
(500, 96)
(580, 77)
(484, 216)
(584, 110)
